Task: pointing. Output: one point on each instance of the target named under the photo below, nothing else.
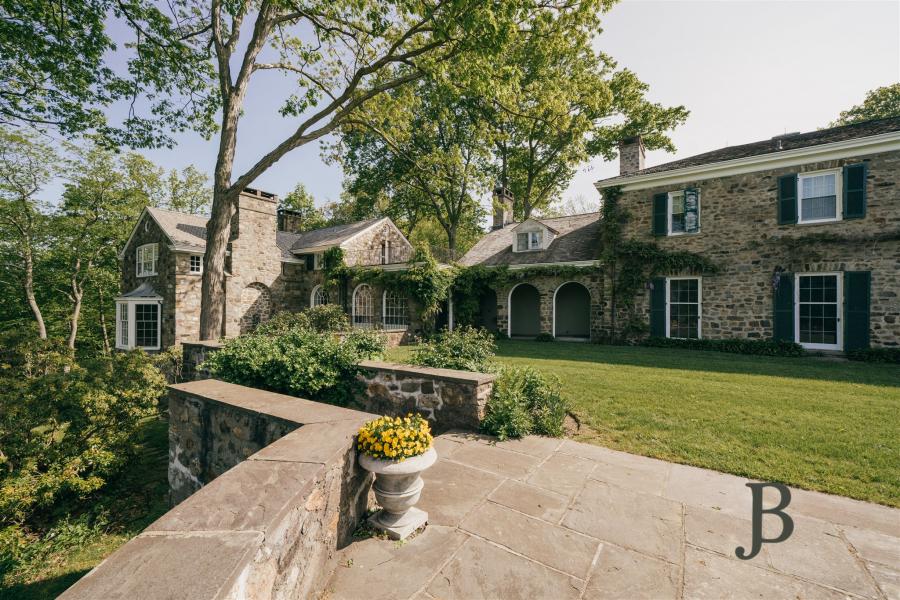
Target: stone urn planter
(397, 487)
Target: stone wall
(450, 399)
(365, 249)
(739, 230)
(278, 492)
(194, 353)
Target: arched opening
(524, 311)
(319, 296)
(256, 306)
(363, 307)
(487, 310)
(572, 311)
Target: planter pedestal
(397, 487)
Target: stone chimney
(253, 228)
(631, 155)
(503, 207)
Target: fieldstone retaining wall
(194, 354)
(450, 399)
(278, 492)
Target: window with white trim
(818, 310)
(138, 325)
(384, 258)
(683, 307)
(395, 310)
(319, 296)
(684, 212)
(363, 307)
(817, 197)
(146, 259)
(196, 264)
(529, 240)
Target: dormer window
(530, 240)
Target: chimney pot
(631, 155)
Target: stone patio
(547, 518)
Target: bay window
(138, 324)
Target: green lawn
(816, 423)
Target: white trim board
(885, 142)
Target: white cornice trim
(885, 142)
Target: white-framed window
(818, 302)
(319, 296)
(683, 212)
(384, 253)
(395, 312)
(683, 307)
(818, 197)
(138, 325)
(146, 259)
(196, 264)
(363, 307)
(529, 240)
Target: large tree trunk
(77, 295)
(212, 289)
(29, 291)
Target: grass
(84, 535)
(815, 423)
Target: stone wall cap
(443, 374)
(205, 343)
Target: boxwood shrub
(756, 347)
(876, 355)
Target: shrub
(395, 438)
(875, 355)
(755, 347)
(524, 402)
(322, 318)
(464, 348)
(299, 361)
(67, 425)
(544, 337)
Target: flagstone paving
(544, 518)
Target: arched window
(395, 311)
(363, 308)
(319, 296)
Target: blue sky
(746, 70)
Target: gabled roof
(576, 241)
(182, 229)
(538, 221)
(775, 145)
(330, 236)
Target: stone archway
(572, 311)
(487, 310)
(256, 306)
(524, 311)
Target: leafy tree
(188, 191)
(880, 103)
(27, 165)
(306, 216)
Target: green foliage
(66, 426)
(297, 361)
(525, 402)
(875, 355)
(880, 103)
(306, 216)
(323, 318)
(170, 363)
(464, 348)
(735, 346)
(544, 337)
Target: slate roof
(182, 228)
(145, 290)
(773, 146)
(576, 241)
(330, 236)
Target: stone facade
(739, 230)
(547, 286)
(449, 399)
(365, 248)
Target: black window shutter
(787, 199)
(310, 262)
(857, 298)
(661, 214)
(658, 307)
(855, 191)
(783, 327)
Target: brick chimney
(503, 207)
(631, 155)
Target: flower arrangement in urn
(397, 450)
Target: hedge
(753, 347)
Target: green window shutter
(691, 210)
(857, 298)
(855, 191)
(310, 262)
(787, 199)
(658, 307)
(783, 326)
(661, 214)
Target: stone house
(804, 229)
(268, 270)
